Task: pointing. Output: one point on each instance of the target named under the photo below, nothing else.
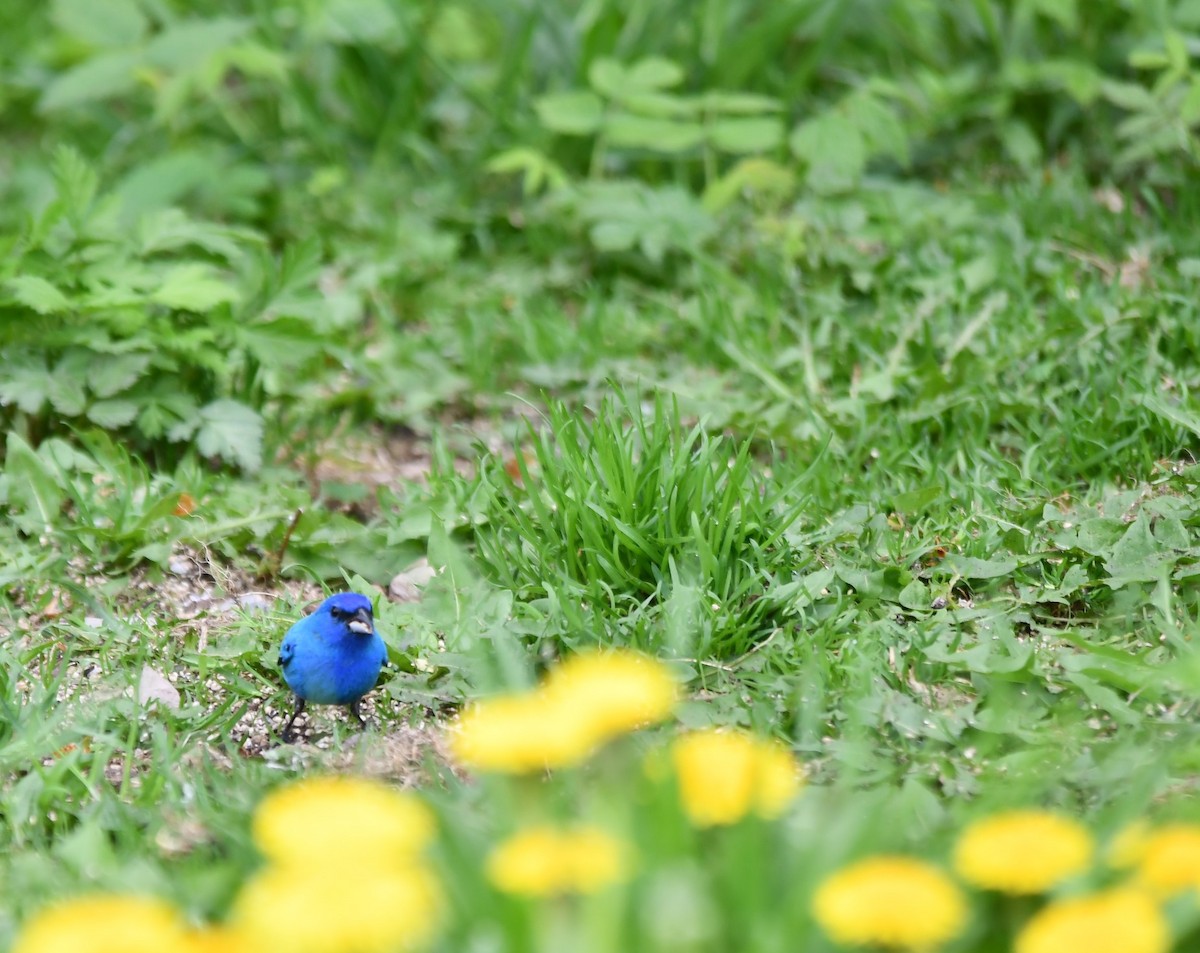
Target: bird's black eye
(337, 613)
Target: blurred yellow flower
(101, 923)
(218, 939)
(1169, 860)
(341, 822)
(1115, 921)
(725, 775)
(544, 861)
(291, 910)
(1022, 852)
(895, 902)
(520, 734)
(1128, 845)
(589, 699)
(620, 690)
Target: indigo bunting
(333, 656)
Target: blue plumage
(333, 656)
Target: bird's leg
(287, 729)
(353, 707)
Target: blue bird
(333, 656)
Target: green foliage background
(841, 350)
(212, 209)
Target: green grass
(892, 451)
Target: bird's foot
(287, 735)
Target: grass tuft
(607, 515)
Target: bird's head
(352, 610)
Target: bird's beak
(361, 623)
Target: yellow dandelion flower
(617, 691)
(545, 861)
(725, 775)
(290, 910)
(595, 859)
(895, 902)
(1115, 921)
(778, 779)
(218, 939)
(1129, 845)
(1022, 852)
(520, 734)
(341, 822)
(588, 700)
(1170, 859)
(104, 924)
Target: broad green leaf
(282, 342)
(1177, 50)
(254, 59)
(513, 160)
(101, 77)
(971, 567)
(1129, 96)
(915, 501)
(745, 135)
(1138, 556)
(1081, 80)
(113, 374)
(113, 413)
(915, 595)
(1064, 12)
(166, 229)
(976, 274)
(103, 23)
(1170, 532)
(232, 431)
(757, 176)
(657, 135)
(39, 294)
(607, 77)
(574, 113)
(623, 215)
(614, 236)
(1020, 143)
(25, 386)
(459, 33)
(653, 73)
(74, 179)
(1189, 106)
(187, 44)
(194, 287)
(537, 169)
(357, 21)
(1147, 136)
(1095, 536)
(1180, 416)
(66, 393)
(64, 459)
(1189, 267)
(174, 415)
(882, 129)
(162, 180)
(833, 149)
(1104, 698)
(661, 104)
(35, 491)
(172, 96)
(743, 104)
(1003, 654)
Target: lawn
(829, 362)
